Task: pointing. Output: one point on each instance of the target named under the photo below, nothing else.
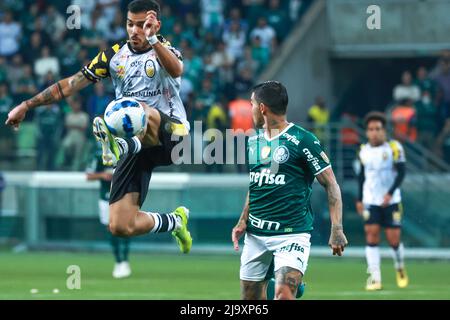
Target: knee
(120, 230)
(284, 294)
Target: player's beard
(139, 44)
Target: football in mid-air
(125, 117)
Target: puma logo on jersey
(267, 178)
(312, 159)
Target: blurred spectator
(403, 117)
(35, 45)
(278, 19)
(295, 6)
(192, 67)
(92, 36)
(241, 120)
(260, 54)
(234, 40)
(319, 117)
(243, 82)
(68, 57)
(10, 35)
(109, 9)
(266, 33)
(236, 17)
(427, 116)
(406, 92)
(253, 9)
(55, 24)
(45, 64)
(7, 137)
(205, 100)
(26, 86)
(28, 18)
(169, 20)
(212, 15)
(350, 142)
(48, 123)
(248, 62)
(224, 63)
(443, 82)
(424, 83)
(76, 123)
(443, 142)
(15, 71)
(216, 119)
(97, 102)
(117, 31)
(86, 9)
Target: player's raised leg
(127, 220)
(393, 236)
(373, 257)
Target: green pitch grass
(170, 276)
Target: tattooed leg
(253, 290)
(287, 282)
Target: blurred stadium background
(335, 69)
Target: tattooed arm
(337, 238)
(241, 226)
(52, 94)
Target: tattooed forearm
(59, 90)
(49, 95)
(328, 180)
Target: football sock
(115, 246)
(373, 261)
(164, 222)
(132, 145)
(125, 248)
(398, 254)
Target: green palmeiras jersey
(96, 166)
(282, 170)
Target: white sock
(132, 145)
(373, 262)
(398, 255)
(164, 222)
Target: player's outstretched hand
(337, 240)
(16, 115)
(237, 233)
(151, 24)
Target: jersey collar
(137, 52)
(278, 135)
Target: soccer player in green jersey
(120, 246)
(277, 219)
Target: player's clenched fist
(16, 115)
(151, 24)
(337, 240)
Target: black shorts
(134, 171)
(388, 217)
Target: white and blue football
(125, 117)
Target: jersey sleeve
(397, 151)
(98, 68)
(313, 154)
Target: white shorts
(291, 250)
(103, 207)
